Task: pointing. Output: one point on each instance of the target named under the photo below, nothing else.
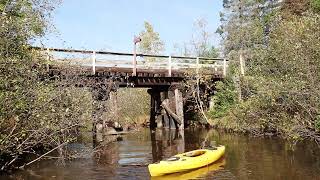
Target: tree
(201, 42)
(315, 5)
(35, 113)
(151, 42)
(280, 43)
(21, 21)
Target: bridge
(104, 72)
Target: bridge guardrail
(125, 60)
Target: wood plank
(179, 107)
(165, 105)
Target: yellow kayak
(187, 161)
(193, 174)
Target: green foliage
(150, 40)
(224, 98)
(21, 22)
(280, 90)
(210, 52)
(134, 106)
(35, 113)
(315, 4)
(318, 122)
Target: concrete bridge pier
(104, 96)
(98, 107)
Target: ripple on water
(246, 158)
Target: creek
(127, 158)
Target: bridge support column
(100, 95)
(152, 110)
(158, 109)
(155, 109)
(112, 114)
(159, 118)
(172, 124)
(166, 109)
(179, 107)
(97, 125)
(164, 114)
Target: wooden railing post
(224, 67)
(48, 54)
(135, 41)
(94, 62)
(215, 67)
(170, 66)
(48, 59)
(197, 65)
(134, 70)
(242, 64)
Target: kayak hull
(186, 161)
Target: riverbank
(288, 129)
(273, 79)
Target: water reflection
(246, 158)
(166, 143)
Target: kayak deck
(186, 161)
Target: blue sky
(111, 24)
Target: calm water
(246, 158)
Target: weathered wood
(113, 106)
(166, 119)
(152, 119)
(172, 123)
(98, 109)
(242, 63)
(170, 66)
(157, 97)
(181, 142)
(224, 67)
(134, 60)
(159, 121)
(179, 107)
(165, 105)
(94, 62)
(164, 116)
(197, 66)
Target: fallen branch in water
(165, 105)
(27, 164)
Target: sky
(111, 24)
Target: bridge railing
(97, 59)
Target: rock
(110, 130)
(99, 127)
(117, 126)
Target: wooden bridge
(162, 74)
